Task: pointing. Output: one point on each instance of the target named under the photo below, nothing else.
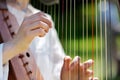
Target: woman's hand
(75, 70)
(35, 25)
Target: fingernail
(67, 62)
(77, 59)
(90, 61)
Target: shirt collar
(19, 14)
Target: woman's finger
(93, 78)
(66, 64)
(46, 20)
(37, 25)
(35, 18)
(88, 64)
(75, 63)
(38, 32)
(88, 73)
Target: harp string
(59, 19)
(110, 53)
(66, 26)
(83, 22)
(44, 8)
(74, 28)
(51, 11)
(87, 54)
(106, 41)
(101, 59)
(83, 34)
(62, 9)
(75, 40)
(93, 34)
(54, 14)
(39, 5)
(47, 9)
(96, 4)
(70, 26)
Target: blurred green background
(73, 22)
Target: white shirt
(47, 50)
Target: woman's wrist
(10, 50)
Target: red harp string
(93, 35)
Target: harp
(84, 31)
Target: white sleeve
(49, 54)
(1, 64)
(3, 69)
(56, 54)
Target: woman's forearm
(10, 50)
